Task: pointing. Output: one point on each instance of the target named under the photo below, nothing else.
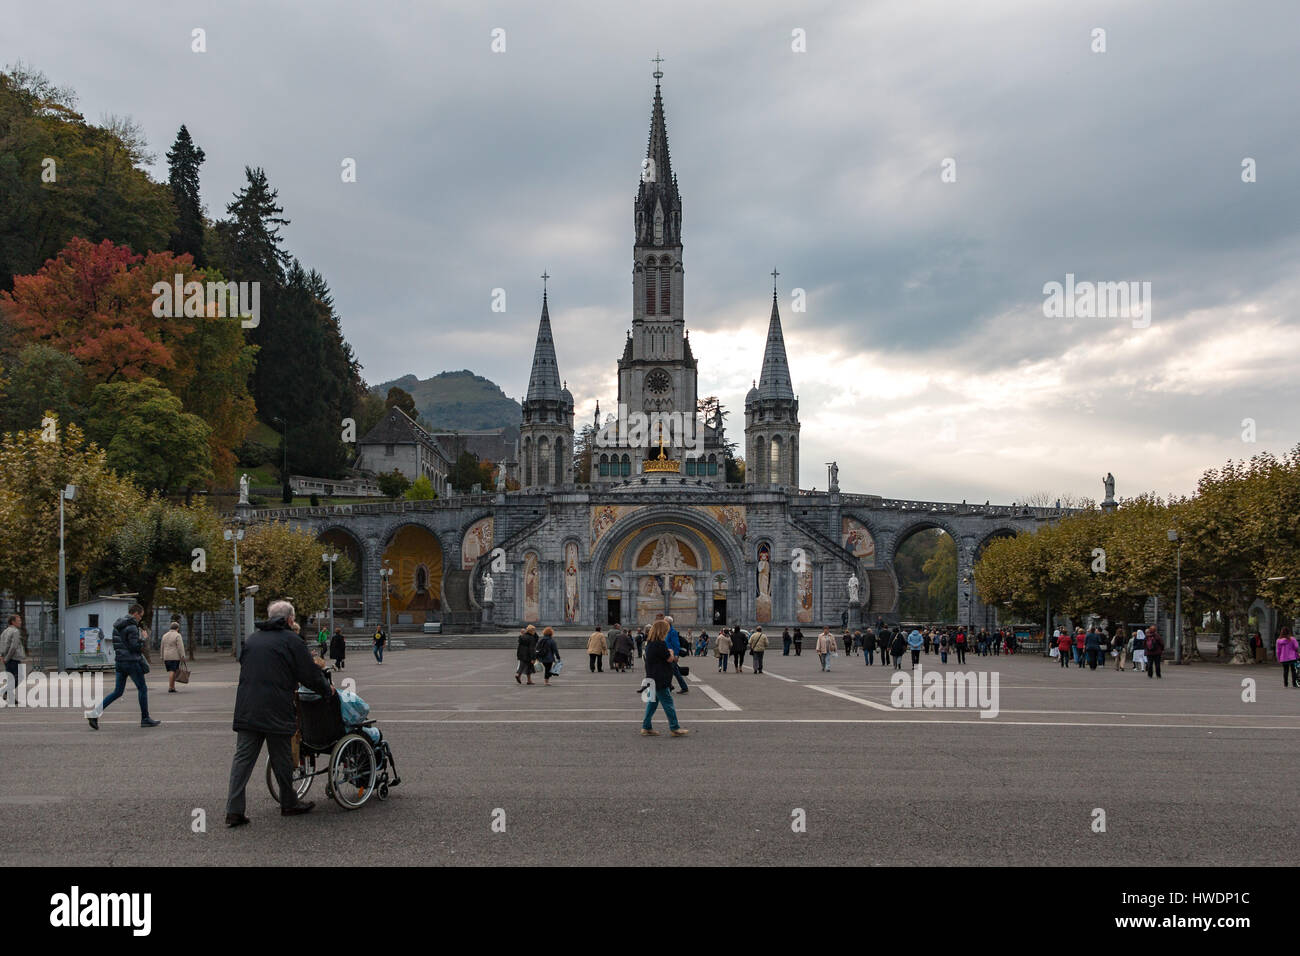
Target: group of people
(1143, 650)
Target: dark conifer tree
(183, 162)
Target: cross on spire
(544, 278)
(658, 73)
(774, 275)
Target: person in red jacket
(1080, 641)
(1063, 644)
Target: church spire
(774, 380)
(544, 382)
(658, 203)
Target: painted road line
(856, 700)
(718, 698)
(788, 680)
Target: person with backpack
(959, 643)
(757, 645)
(526, 653)
(1287, 652)
(1155, 651)
(548, 652)
(128, 663)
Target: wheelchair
(356, 760)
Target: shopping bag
(557, 667)
(183, 673)
(1056, 652)
(647, 690)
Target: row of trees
(122, 539)
(1239, 536)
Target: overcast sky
(924, 363)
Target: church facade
(657, 527)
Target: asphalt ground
(794, 766)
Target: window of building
(650, 290)
(388, 451)
(627, 466)
(665, 290)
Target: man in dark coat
(526, 653)
(273, 663)
(338, 649)
(128, 662)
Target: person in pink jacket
(1288, 652)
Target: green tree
(941, 569)
(157, 538)
(401, 398)
(393, 483)
(148, 435)
(40, 379)
(183, 162)
(421, 490)
(33, 474)
(285, 562)
(189, 589)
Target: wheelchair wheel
(352, 771)
(302, 776)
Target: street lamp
(1178, 598)
(329, 560)
(69, 494)
(235, 536)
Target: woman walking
(798, 642)
(1121, 647)
(526, 653)
(897, 644)
(1065, 645)
(785, 643)
(1287, 651)
(722, 650)
(757, 645)
(548, 652)
(173, 654)
(659, 670)
(338, 649)
(739, 644)
(622, 651)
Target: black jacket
(548, 652)
(338, 647)
(527, 649)
(126, 642)
(273, 663)
(657, 667)
(898, 645)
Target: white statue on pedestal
(854, 584)
(243, 489)
(488, 587)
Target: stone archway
(671, 562)
(415, 589)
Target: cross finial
(658, 73)
(544, 278)
(774, 275)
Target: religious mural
(731, 517)
(803, 582)
(858, 541)
(478, 542)
(571, 582)
(603, 518)
(416, 559)
(532, 589)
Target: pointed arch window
(650, 281)
(665, 290)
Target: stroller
(356, 757)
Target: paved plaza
(1186, 772)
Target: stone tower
(772, 415)
(546, 435)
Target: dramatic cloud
(924, 362)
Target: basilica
(656, 526)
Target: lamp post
(329, 560)
(69, 493)
(235, 536)
(1178, 598)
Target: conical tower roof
(774, 381)
(544, 381)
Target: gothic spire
(544, 382)
(658, 202)
(774, 380)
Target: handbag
(1056, 652)
(685, 671)
(183, 673)
(144, 665)
(557, 667)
